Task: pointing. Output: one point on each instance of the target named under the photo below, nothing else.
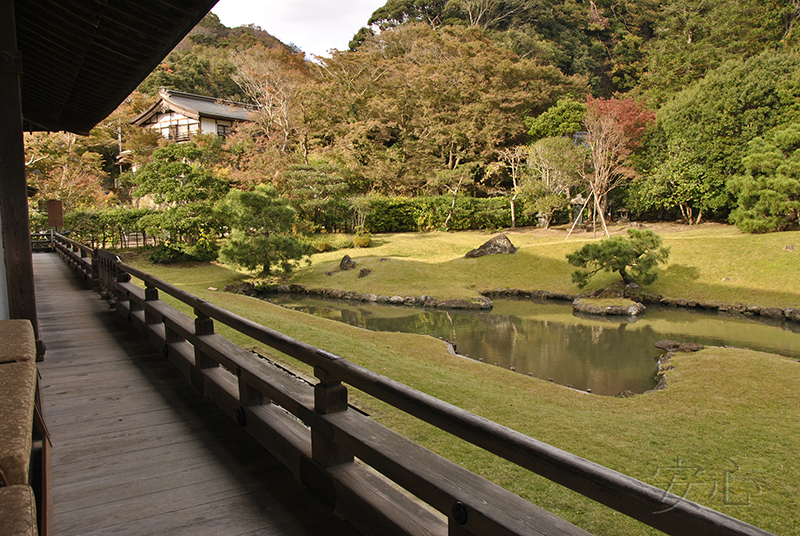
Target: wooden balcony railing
(79, 257)
(42, 241)
(314, 433)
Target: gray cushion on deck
(17, 511)
(17, 393)
(17, 342)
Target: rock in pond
(589, 306)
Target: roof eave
(80, 62)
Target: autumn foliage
(614, 128)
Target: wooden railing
(314, 433)
(42, 241)
(79, 257)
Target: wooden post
(330, 396)
(13, 185)
(248, 396)
(170, 336)
(117, 295)
(150, 294)
(96, 270)
(203, 325)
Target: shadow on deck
(136, 450)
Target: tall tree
(563, 119)
(261, 226)
(397, 12)
(487, 13)
(412, 101)
(272, 78)
(704, 131)
(317, 192)
(768, 194)
(452, 182)
(614, 128)
(180, 179)
(61, 166)
(679, 182)
(554, 167)
(177, 176)
(693, 37)
(514, 159)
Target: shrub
(168, 254)
(362, 239)
(392, 215)
(204, 249)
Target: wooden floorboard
(135, 449)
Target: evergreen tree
(635, 258)
(768, 194)
(260, 237)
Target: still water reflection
(545, 339)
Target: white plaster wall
(162, 122)
(208, 126)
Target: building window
(183, 133)
(224, 130)
(178, 133)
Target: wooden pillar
(95, 270)
(330, 396)
(203, 325)
(13, 186)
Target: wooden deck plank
(127, 438)
(228, 514)
(135, 449)
(177, 417)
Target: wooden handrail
(335, 438)
(42, 241)
(80, 257)
(76, 246)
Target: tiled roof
(195, 106)
(208, 106)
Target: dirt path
(616, 229)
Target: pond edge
(791, 314)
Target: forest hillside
(465, 114)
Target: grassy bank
(709, 262)
(723, 434)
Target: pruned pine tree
(634, 257)
(261, 236)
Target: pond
(545, 339)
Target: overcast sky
(315, 26)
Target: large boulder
(497, 244)
(347, 263)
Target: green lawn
(724, 432)
(710, 262)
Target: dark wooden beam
(13, 186)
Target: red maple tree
(614, 129)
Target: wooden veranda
(136, 450)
